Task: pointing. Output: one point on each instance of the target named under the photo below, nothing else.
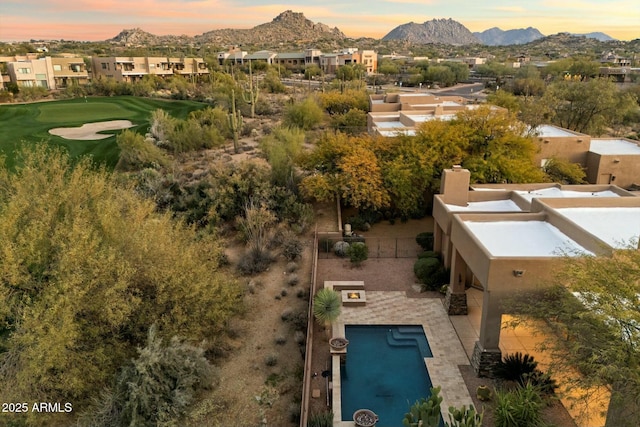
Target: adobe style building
(504, 239)
(605, 160)
(132, 69)
(47, 72)
(401, 113)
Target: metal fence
(379, 247)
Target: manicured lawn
(29, 124)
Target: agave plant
(516, 367)
(326, 306)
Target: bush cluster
(430, 271)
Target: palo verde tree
(593, 310)
(587, 106)
(88, 266)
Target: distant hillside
(287, 27)
(598, 36)
(444, 31)
(497, 37)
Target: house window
(105, 66)
(41, 77)
(24, 70)
(57, 67)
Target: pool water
(384, 371)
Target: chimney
(454, 186)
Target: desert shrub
(293, 280)
(157, 386)
(520, 407)
(294, 412)
(280, 339)
(431, 273)
(271, 360)
(298, 321)
(287, 314)
(425, 240)
(299, 337)
(292, 249)
(322, 419)
(358, 252)
(301, 293)
(305, 115)
(291, 267)
(284, 292)
(341, 248)
(137, 153)
(254, 262)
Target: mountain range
(294, 27)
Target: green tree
(88, 267)
(304, 115)
(282, 146)
(564, 172)
(588, 107)
(592, 308)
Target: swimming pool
(384, 371)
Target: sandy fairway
(89, 131)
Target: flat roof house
(508, 238)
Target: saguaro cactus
(235, 122)
(250, 95)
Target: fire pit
(365, 418)
(353, 297)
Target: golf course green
(28, 124)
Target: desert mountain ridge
(291, 26)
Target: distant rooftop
(524, 239)
(555, 192)
(614, 146)
(552, 131)
(396, 132)
(487, 206)
(616, 226)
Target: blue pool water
(384, 371)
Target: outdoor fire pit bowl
(338, 343)
(365, 418)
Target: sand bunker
(89, 131)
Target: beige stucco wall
(622, 170)
(571, 148)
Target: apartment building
(330, 62)
(68, 71)
(132, 69)
(47, 72)
(32, 73)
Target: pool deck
(394, 308)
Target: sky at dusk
(91, 20)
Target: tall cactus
(235, 122)
(425, 412)
(250, 95)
